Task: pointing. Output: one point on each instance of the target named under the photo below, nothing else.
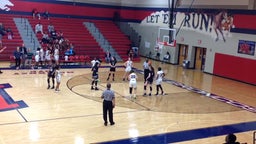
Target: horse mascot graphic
(223, 22)
(5, 5)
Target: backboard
(166, 37)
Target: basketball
(149, 62)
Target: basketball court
(197, 108)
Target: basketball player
(112, 68)
(146, 69)
(37, 57)
(56, 54)
(95, 60)
(132, 84)
(159, 78)
(128, 67)
(51, 75)
(48, 57)
(58, 78)
(42, 57)
(149, 80)
(95, 76)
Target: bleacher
(118, 40)
(11, 44)
(74, 30)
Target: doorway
(200, 56)
(183, 53)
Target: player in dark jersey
(149, 80)
(51, 75)
(95, 76)
(112, 68)
(146, 69)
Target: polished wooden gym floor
(194, 101)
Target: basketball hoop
(162, 44)
(166, 37)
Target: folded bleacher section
(75, 31)
(119, 41)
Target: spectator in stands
(46, 15)
(45, 38)
(157, 56)
(53, 35)
(39, 28)
(50, 28)
(9, 33)
(64, 44)
(107, 56)
(167, 57)
(67, 52)
(71, 49)
(135, 52)
(130, 53)
(231, 139)
(35, 14)
(66, 58)
(2, 33)
(17, 57)
(60, 35)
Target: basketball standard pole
(171, 14)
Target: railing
(29, 33)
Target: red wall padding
(27, 6)
(91, 11)
(236, 68)
(245, 21)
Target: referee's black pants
(108, 108)
(146, 73)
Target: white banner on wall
(147, 44)
(217, 26)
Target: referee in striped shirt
(108, 97)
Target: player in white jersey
(94, 61)
(37, 57)
(48, 57)
(56, 55)
(159, 78)
(128, 67)
(42, 58)
(58, 78)
(133, 83)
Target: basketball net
(166, 37)
(161, 44)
